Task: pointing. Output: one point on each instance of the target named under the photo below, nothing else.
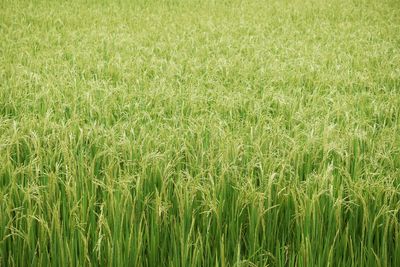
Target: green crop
(200, 133)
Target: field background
(200, 133)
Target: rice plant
(200, 133)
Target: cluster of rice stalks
(188, 133)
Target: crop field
(200, 133)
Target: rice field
(200, 133)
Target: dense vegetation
(200, 133)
